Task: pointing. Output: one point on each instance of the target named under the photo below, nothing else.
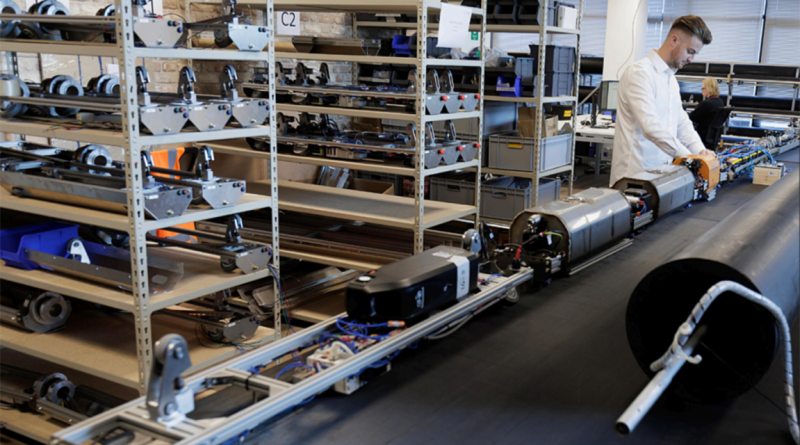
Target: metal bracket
(168, 398)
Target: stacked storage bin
(559, 70)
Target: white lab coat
(652, 128)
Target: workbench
(585, 133)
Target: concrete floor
(553, 369)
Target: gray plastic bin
(509, 151)
(501, 198)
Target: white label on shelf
(112, 68)
(453, 26)
(288, 23)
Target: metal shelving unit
(389, 211)
(731, 80)
(202, 274)
(542, 31)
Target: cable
(633, 34)
(291, 366)
(451, 330)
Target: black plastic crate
(555, 84)
(557, 59)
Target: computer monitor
(608, 95)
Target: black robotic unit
(413, 287)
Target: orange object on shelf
(170, 158)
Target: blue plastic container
(49, 237)
(506, 89)
(401, 45)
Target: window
(781, 34)
(728, 20)
(593, 30)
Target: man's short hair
(693, 25)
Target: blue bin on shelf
(506, 88)
(402, 45)
(49, 237)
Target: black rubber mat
(554, 369)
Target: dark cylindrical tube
(757, 246)
(591, 65)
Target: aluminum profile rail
(282, 396)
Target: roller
(9, 28)
(757, 246)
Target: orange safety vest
(170, 158)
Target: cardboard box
(768, 174)
(526, 122)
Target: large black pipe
(757, 246)
(591, 65)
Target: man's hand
(708, 153)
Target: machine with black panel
(414, 287)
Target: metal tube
(640, 406)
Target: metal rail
(281, 395)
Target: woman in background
(703, 115)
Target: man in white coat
(652, 128)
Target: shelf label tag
(288, 23)
(453, 26)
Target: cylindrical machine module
(586, 223)
(757, 246)
(672, 186)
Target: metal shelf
(202, 136)
(528, 29)
(120, 222)
(202, 276)
(376, 59)
(49, 130)
(449, 116)
(520, 174)
(375, 114)
(112, 50)
(74, 132)
(241, 149)
(102, 344)
(395, 6)
(354, 205)
(329, 260)
(530, 100)
(200, 54)
(57, 47)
